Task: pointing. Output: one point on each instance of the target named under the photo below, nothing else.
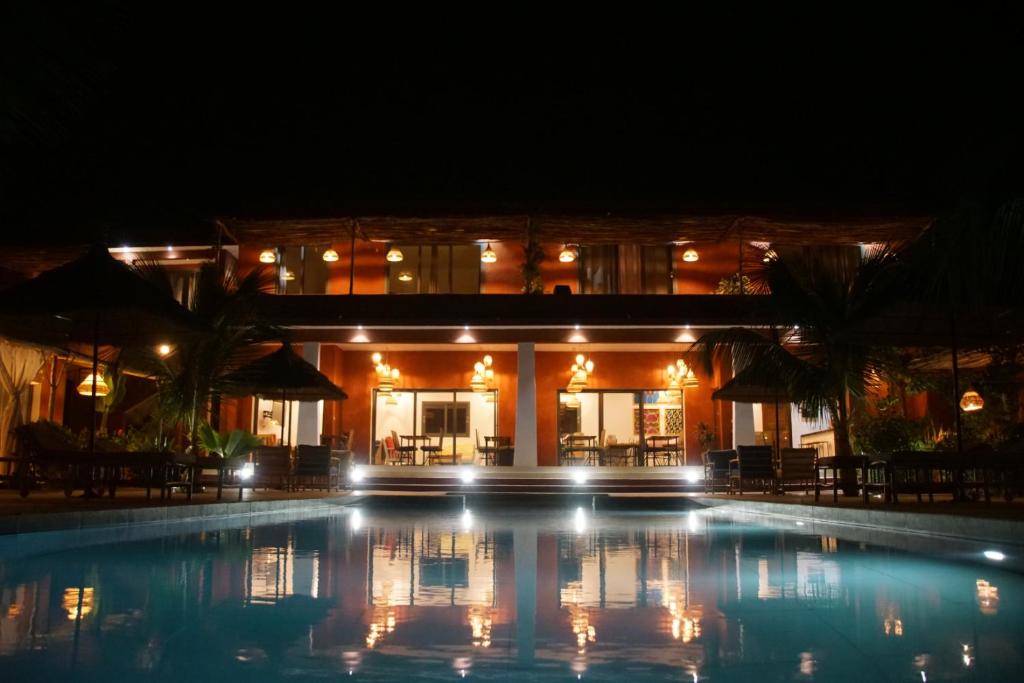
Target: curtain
(19, 365)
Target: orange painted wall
(717, 260)
(504, 276)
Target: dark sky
(111, 115)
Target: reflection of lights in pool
(691, 522)
(994, 555)
(356, 520)
(799, 523)
(967, 655)
(467, 520)
(580, 521)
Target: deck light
(85, 386)
(467, 476)
(580, 478)
(330, 256)
(395, 255)
(994, 555)
(971, 401)
(488, 255)
(691, 255)
(247, 471)
(356, 474)
(268, 256)
(567, 255)
(164, 349)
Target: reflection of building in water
(277, 572)
(78, 602)
(988, 597)
(427, 567)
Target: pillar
(310, 412)
(526, 407)
(742, 424)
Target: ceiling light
(685, 337)
(691, 255)
(287, 275)
(971, 401)
(568, 254)
(465, 337)
(359, 337)
(405, 276)
(376, 358)
(164, 349)
(395, 255)
(488, 255)
(268, 256)
(85, 386)
(330, 256)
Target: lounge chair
(315, 468)
(716, 469)
(272, 467)
(752, 464)
(796, 468)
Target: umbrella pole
(95, 371)
(956, 385)
(283, 416)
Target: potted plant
(232, 446)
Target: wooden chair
(752, 464)
(406, 451)
(392, 456)
(579, 449)
(716, 469)
(272, 467)
(796, 467)
(432, 452)
(315, 468)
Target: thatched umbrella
(94, 299)
(283, 374)
(755, 385)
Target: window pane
(433, 419)
(598, 269)
(657, 274)
(436, 269)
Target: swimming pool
(509, 595)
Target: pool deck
(51, 510)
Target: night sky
(109, 115)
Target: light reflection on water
(505, 596)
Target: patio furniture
(492, 445)
(314, 467)
(796, 468)
(621, 454)
(406, 451)
(392, 454)
(272, 467)
(580, 449)
(921, 472)
(836, 464)
(432, 454)
(716, 469)
(420, 443)
(752, 464)
(228, 472)
(662, 449)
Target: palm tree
(227, 305)
(817, 296)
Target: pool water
(506, 595)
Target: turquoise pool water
(556, 595)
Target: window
(445, 419)
(302, 270)
(436, 269)
(599, 269)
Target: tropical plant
(226, 304)
(116, 380)
(819, 295)
(706, 436)
(533, 256)
(227, 445)
(734, 284)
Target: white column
(526, 407)
(310, 416)
(742, 424)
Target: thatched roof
(610, 229)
